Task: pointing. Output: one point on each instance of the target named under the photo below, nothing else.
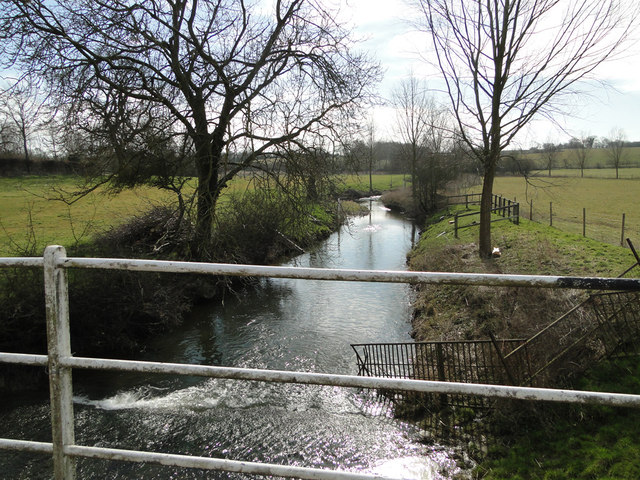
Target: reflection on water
(278, 324)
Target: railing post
(455, 225)
(59, 346)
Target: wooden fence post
(531, 210)
(622, 235)
(455, 225)
(551, 214)
(584, 222)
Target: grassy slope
(580, 443)
(586, 443)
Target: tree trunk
(25, 147)
(484, 240)
(207, 193)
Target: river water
(277, 324)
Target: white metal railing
(60, 361)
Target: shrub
(265, 226)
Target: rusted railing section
(60, 361)
(465, 361)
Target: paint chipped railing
(60, 362)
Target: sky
(389, 37)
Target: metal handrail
(60, 361)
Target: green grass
(571, 442)
(28, 212)
(582, 443)
(604, 199)
(530, 248)
(30, 215)
(381, 182)
(597, 159)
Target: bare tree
(444, 160)
(219, 75)
(8, 138)
(23, 111)
(423, 127)
(550, 151)
(412, 107)
(581, 149)
(371, 150)
(503, 63)
(615, 147)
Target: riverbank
(115, 313)
(551, 441)
(276, 324)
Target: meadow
(597, 159)
(33, 216)
(604, 200)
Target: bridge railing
(60, 362)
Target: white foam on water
(144, 398)
(415, 468)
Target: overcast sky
(391, 39)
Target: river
(276, 324)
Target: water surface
(276, 324)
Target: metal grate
(473, 361)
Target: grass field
(597, 159)
(627, 172)
(605, 200)
(30, 216)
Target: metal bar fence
(464, 361)
(60, 361)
